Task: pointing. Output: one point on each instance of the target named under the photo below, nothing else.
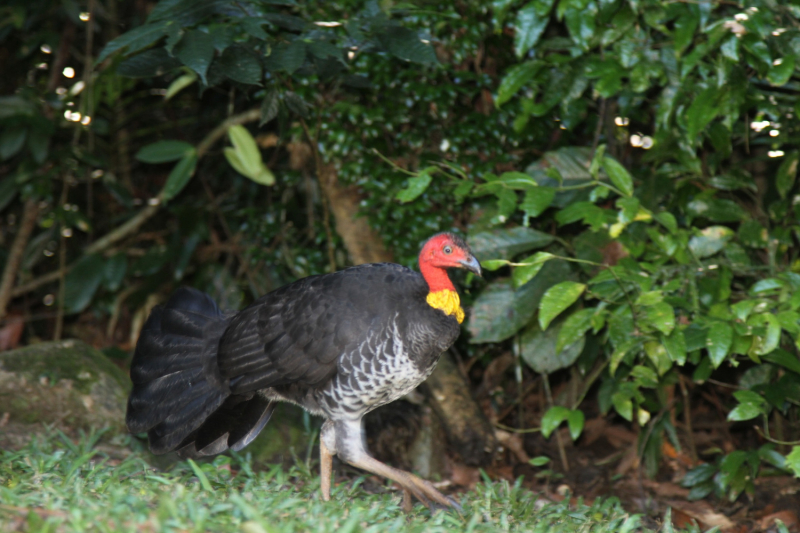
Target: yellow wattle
(447, 301)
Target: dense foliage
(626, 169)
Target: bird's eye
(447, 250)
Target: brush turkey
(338, 345)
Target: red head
(443, 251)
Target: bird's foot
(426, 493)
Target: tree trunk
(363, 244)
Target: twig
(687, 417)
(601, 113)
(561, 452)
(516, 430)
(30, 212)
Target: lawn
(99, 484)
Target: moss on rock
(62, 383)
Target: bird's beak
(471, 264)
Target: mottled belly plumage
(382, 369)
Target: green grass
(54, 484)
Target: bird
(338, 345)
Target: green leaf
(743, 308)
(506, 203)
(164, 151)
(239, 64)
(702, 111)
(618, 175)
(500, 311)
(493, 264)
(699, 474)
(198, 471)
(82, 281)
(246, 150)
(148, 64)
(650, 298)
(787, 173)
(8, 191)
(557, 299)
(288, 56)
(793, 461)
(406, 45)
(38, 144)
(744, 411)
(115, 269)
(685, 27)
(781, 73)
(667, 220)
(675, 345)
(196, 51)
(497, 313)
(658, 355)
(180, 84)
(523, 274)
(644, 376)
(517, 180)
(623, 405)
(416, 186)
(574, 328)
(269, 107)
(185, 255)
(581, 23)
(575, 421)
(11, 141)
(296, 104)
(621, 351)
(506, 243)
(716, 210)
(539, 348)
(180, 176)
(539, 461)
(537, 200)
(516, 78)
(136, 39)
(783, 358)
(530, 24)
(710, 241)
(718, 342)
(261, 175)
(553, 418)
(751, 405)
(661, 316)
(763, 345)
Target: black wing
(296, 334)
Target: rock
(66, 383)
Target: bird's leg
(350, 448)
(408, 503)
(327, 438)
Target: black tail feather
(173, 392)
(233, 426)
(179, 397)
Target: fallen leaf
(788, 517)
(703, 513)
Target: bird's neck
(442, 294)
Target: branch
(27, 224)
